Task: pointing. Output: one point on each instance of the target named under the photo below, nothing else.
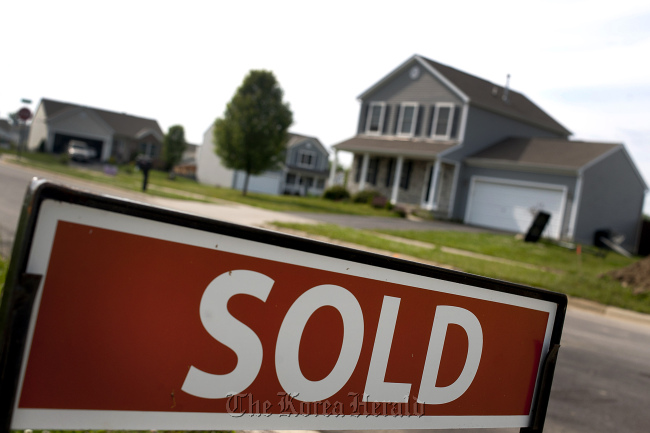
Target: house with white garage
(435, 137)
(304, 171)
(113, 135)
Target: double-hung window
(375, 119)
(408, 117)
(306, 158)
(443, 120)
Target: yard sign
(118, 315)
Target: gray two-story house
(304, 170)
(434, 137)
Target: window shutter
(418, 124)
(371, 176)
(386, 126)
(396, 117)
(432, 110)
(363, 118)
(389, 173)
(455, 122)
(406, 174)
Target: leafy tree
(252, 134)
(174, 145)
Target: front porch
(426, 183)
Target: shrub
(336, 193)
(364, 196)
(379, 201)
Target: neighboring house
(434, 137)
(113, 135)
(304, 171)
(187, 165)
(9, 133)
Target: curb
(609, 311)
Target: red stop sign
(24, 114)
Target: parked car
(80, 151)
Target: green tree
(174, 145)
(252, 134)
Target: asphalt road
(602, 381)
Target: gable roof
(295, 139)
(123, 124)
(544, 152)
(482, 94)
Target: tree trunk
(245, 190)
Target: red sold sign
(148, 324)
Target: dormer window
(443, 122)
(407, 119)
(375, 118)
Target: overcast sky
(587, 63)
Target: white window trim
(382, 113)
(403, 105)
(302, 152)
(450, 121)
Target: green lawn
(559, 269)
(160, 184)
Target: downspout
(577, 195)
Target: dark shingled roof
(123, 124)
(389, 145)
(543, 152)
(487, 95)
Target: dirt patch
(636, 276)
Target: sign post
(118, 315)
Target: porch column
(396, 179)
(433, 183)
(364, 171)
(335, 163)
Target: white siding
(209, 169)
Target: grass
(559, 269)
(161, 185)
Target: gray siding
(485, 128)
(612, 198)
(321, 162)
(466, 174)
(425, 90)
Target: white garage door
(505, 205)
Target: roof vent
(495, 91)
(506, 89)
